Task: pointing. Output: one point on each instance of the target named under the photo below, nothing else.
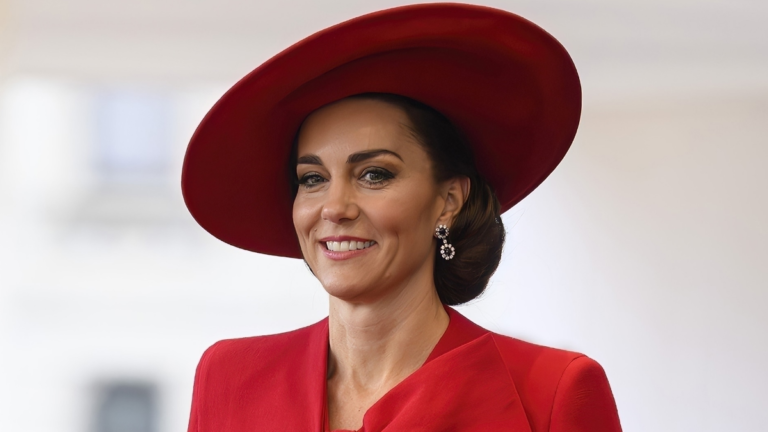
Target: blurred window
(133, 135)
(126, 407)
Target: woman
(412, 129)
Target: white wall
(645, 249)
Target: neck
(375, 346)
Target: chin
(343, 290)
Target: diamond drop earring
(446, 249)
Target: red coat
(474, 380)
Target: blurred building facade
(646, 249)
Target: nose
(340, 204)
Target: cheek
(304, 218)
(409, 217)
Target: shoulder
(584, 400)
(561, 390)
(241, 361)
(528, 357)
(245, 349)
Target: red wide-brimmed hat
(508, 86)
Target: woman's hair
(477, 232)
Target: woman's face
(367, 203)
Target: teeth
(348, 245)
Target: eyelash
(385, 175)
(305, 179)
(308, 180)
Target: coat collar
(463, 385)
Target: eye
(311, 179)
(376, 176)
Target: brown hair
(477, 233)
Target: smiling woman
(411, 134)
(425, 171)
(367, 175)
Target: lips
(348, 245)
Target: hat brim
(508, 85)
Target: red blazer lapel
(306, 404)
(465, 389)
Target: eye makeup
(376, 176)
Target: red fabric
(509, 86)
(474, 380)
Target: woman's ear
(455, 191)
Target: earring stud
(446, 249)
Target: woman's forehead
(352, 125)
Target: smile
(344, 246)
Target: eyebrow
(309, 160)
(353, 158)
(368, 154)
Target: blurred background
(647, 249)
